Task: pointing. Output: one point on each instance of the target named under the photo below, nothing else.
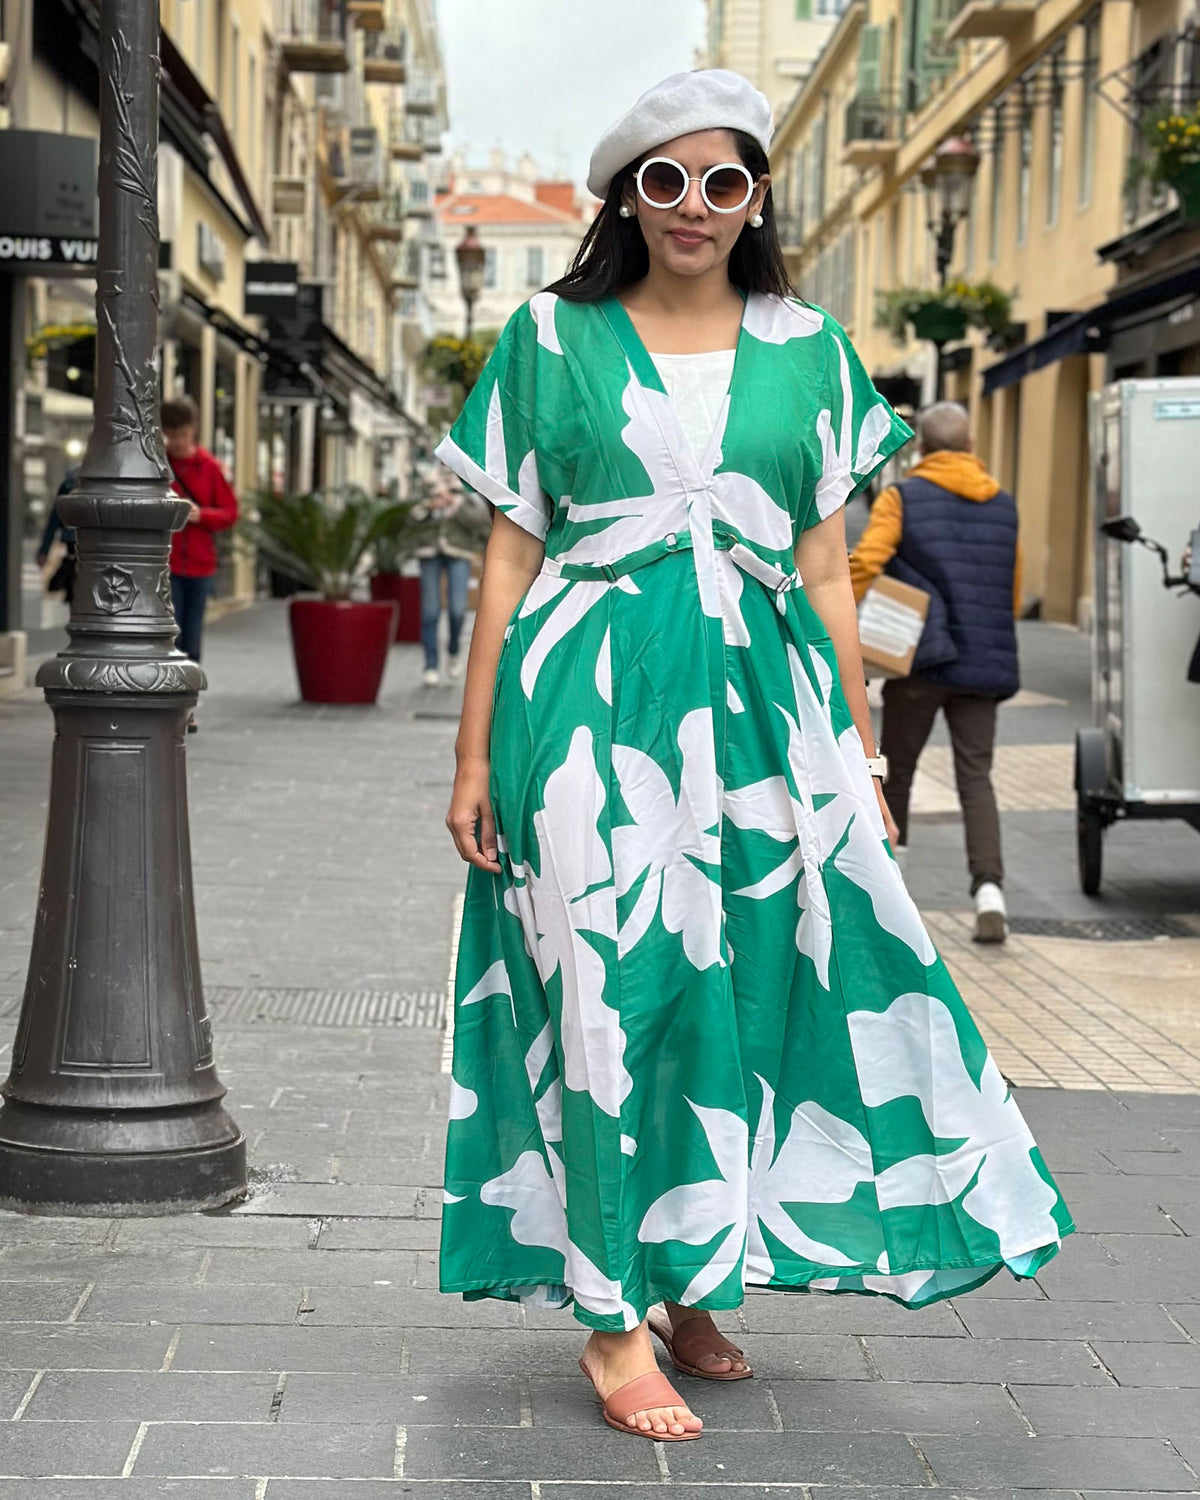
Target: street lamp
(946, 178)
(112, 1104)
(471, 258)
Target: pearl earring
(626, 211)
(756, 221)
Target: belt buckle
(609, 572)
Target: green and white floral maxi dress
(702, 1039)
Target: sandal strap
(698, 1339)
(643, 1394)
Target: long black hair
(614, 255)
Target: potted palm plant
(325, 538)
(394, 575)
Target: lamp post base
(104, 1164)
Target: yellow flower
(1172, 140)
(1162, 124)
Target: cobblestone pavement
(295, 1347)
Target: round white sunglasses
(662, 182)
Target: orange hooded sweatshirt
(960, 473)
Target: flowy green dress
(702, 1038)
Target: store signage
(45, 252)
(295, 339)
(47, 186)
(271, 288)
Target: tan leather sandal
(643, 1394)
(695, 1340)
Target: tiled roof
(498, 208)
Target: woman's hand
(889, 822)
(470, 819)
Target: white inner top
(696, 384)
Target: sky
(549, 76)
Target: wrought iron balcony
(383, 57)
(872, 130)
(420, 95)
(973, 19)
(406, 136)
(419, 199)
(385, 219)
(311, 35)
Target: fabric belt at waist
(771, 577)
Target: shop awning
(1090, 331)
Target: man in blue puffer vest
(949, 528)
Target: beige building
(774, 43)
(530, 228)
(1052, 94)
(296, 168)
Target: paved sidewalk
(295, 1348)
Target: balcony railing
(406, 137)
(872, 130)
(790, 227)
(386, 218)
(406, 271)
(311, 36)
(419, 203)
(383, 57)
(420, 96)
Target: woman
(703, 1040)
(462, 524)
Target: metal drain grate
(1103, 929)
(425, 1008)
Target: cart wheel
(1089, 826)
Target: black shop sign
(33, 253)
(271, 288)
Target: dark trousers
(910, 706)
(458, 576)
(189, 596)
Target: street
(295, 1346)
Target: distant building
(773, 43)
(530, 227)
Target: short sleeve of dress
(491, 446)
(857, 428)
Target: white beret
(708, 99)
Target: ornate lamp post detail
(113, 1103)
(472, 259)
(947, 177)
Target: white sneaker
(430, 677)
(991, 915)
(454, 668)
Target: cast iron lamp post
(471, 258)
(946, 178)
(113, 1104)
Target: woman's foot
(613, 1360)
(430, 678)
(697, 1346)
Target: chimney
(560, 195)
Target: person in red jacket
(198, 478)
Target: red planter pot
(341, 648)
(406, 592)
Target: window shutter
(804, 10)
(870, 58)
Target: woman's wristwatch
(878, 767)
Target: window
(1054, 174)
(198, 37)
(437, 262)
(491, 268)
(252, 113)
(535, 265)
(996, 206)
(1025, 164)
(804, 10)
(1087, 131)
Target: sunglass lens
(727, 188)
(663, 182)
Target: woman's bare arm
(513, 560)
(823, 565)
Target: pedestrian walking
(198, 478)
(463, 523)
(62, 580)
(703, 1041)
(950, 529)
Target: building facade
(1101, 265)
(530, 228)
(773, 43)
(297, 139)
